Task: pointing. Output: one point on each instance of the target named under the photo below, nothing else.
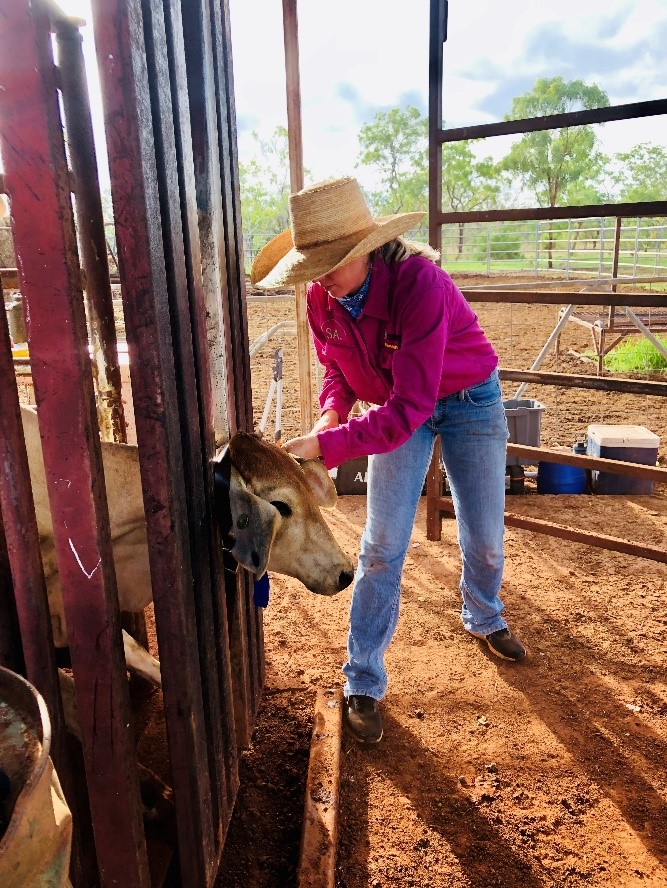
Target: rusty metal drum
(35, 821)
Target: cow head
(277, 524)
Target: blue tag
(260, 594)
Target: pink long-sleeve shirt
(416, 340)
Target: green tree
(265, 189)
(467, 183)
(641, 173)
(395, 145)
(556, 164)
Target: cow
(277, 526)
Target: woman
(391, 329)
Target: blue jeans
(473, 434)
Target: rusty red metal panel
(34, 654)
(236, 294)
(203, 211)
(204, 139)
(90, 225)
(135, 91)
(20, 525)
(231, 202)
(185, 285)
(438, 15)
(216, 176)
(37, 181)
(11, 653)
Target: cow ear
(254, 526)
(320, 483)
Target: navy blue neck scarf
(354, 303)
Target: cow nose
(344, 580)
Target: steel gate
(165, 70)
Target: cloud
(247, 122)
(413, 98)
(498, 102)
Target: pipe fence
(572, 247)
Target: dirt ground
(547, 773)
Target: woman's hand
(328, 420)
(306, 447)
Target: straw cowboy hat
(331, 226)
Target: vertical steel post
(437, 38)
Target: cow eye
(282, 507)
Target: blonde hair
(398, 250)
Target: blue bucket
(556, 478)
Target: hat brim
(280, 263)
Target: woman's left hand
(306, 447)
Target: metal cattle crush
(166, 78)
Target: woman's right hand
(328, 420)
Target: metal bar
(22, 540)
(11, 651)
(640, 208)
(204, 134)
(38, 182)
(171, 115)
(287, 328)
(547, 345)
(131, 142)
(555, 121)
(605, 384)
(591, 285)
(437, 33)
(231, 204)
(267, 406)
(278, 376)
(294, 135)
(641, 326)
(90, 227)
(538, 297)
(617, 246)
(212, 348)
(246, 631)
(24, 604)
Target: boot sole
(496, 652)
(504, 656)
(364, 741)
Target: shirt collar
(377, 300)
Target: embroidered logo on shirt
(392, 341)
(333, 331)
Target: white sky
(361, 56)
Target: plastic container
(558, 478)
(625, 442)
(524, 422)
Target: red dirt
(549, 773)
